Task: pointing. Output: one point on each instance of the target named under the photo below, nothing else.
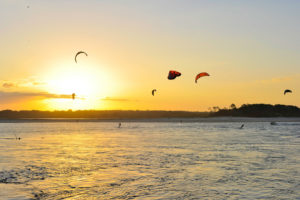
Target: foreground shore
(176, 120)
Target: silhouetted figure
(119, 125)
(242, 126)
(17, 138)
(73, 96)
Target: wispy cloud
(18, 96)
(8, 85)
(114, 99)
(38, 83)
(25, 83)
(279, 79)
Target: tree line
(258, 110)
(246, 110)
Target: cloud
(53, 96)
(279, 79)
(114, 99)
(8, 85)
(25, 83)
(30, 82)
(276, 80)
(18, 96)
(37, 83)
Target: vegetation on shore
(258, 110)
(246, 110)
(98, 114)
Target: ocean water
(147, 160)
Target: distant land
(259, 110)
(246, 110)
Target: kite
(79, 52)
(153, 91)
(201, 75)
(173, 74)
(286, 91)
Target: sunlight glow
(89, 83)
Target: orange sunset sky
(251, 49)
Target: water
(93, 160)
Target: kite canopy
(173, 74)
(153, 91)
(201, 75)
(287, 91)
(78, 53)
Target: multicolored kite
(173, 74)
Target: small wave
(21, 176)
(289, 124)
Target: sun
(89, 83)
(82, 83)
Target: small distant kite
(287, 91)
(73, 96)
(173, 74)
(201, 75)
(153, 91)
(78, 53)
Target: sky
(251, 50)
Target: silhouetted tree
(232, 106)
(260, 110)
(216, 108)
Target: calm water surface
(93, 160)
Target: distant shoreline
(245, 113)
(176, 120)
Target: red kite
(201, 75)
(173, 74)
